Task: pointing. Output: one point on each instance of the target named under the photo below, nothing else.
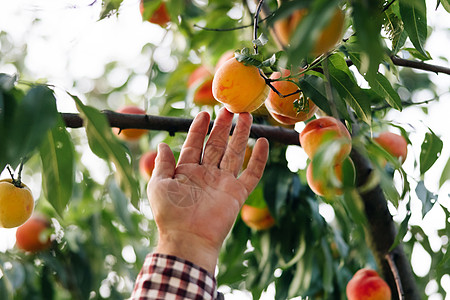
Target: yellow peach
(239, 87)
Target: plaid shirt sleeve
(170, 277)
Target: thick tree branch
(382, 232)
(173, 125)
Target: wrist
(190, 247)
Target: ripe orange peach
(201, 79)
(160, 16)
(323, 184)
(257, 218)
(247, 154)
(324, 129)
(147, 164)
(366, 284)
(16, 203)
(30, 237)
(130, 134)
(320, 185)
(284, 28)
(282, 109)
(328, 37)
(239, 87)
(225, 56)
(393, 143)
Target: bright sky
(69, 43)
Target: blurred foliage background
(104, 55)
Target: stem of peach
(19, 176)
(17, 182)
(398, 282)
(11, 174)
(269, 83)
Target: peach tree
(372, 78)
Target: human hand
(195, 202)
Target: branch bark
(382, 232)
(419, 65)
(415, 64)
(172, 125)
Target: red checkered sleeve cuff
(170, 277)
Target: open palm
(198, 199)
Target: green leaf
(272, 61)
(313, 87)
(57, 156)
(431, 149)
(347, 88)
(303, 275)
(34, 116)
(379, 83)
(328, 266)
(413, 14)
(256, 197)
(247, 58)
(399, 42)
(47, 284)
(355, 207)
(7, 108)
(445, 259)
(276, 180)
(417, 54)
(445, 174)
(105, 145)
(446, 5)
(261, 40)
(6, 288)
(15, 274)
(401, 232)
(428, 198)
(2, 124)
(394, 28)
(389, 189)
(7, 82)
(367, 25)
(120, 205)
(110, 7)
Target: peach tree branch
(173, 125)
(415, 64)
(382, 231)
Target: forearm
(189, 247)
